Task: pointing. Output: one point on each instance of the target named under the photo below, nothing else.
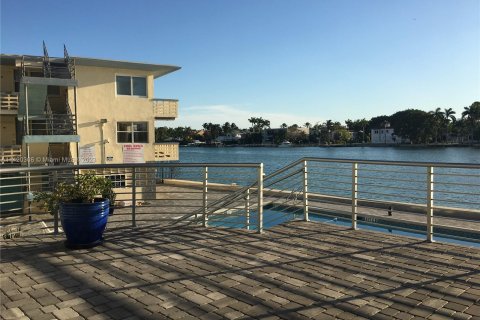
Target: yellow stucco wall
(7, 130)
(7, 83)
(97, 99)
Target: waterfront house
(384, 135)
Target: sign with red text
(133, 153)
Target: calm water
(275, 158)
(453, 187)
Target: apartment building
(81, 110)
(74, 110)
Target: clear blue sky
(287, 61)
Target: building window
(132, 132)
(118, 180)
(131, 86)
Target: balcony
(9, 103)
(166, 151)
(165, 109)
(10, 154)
(51, 128)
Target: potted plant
(108, 193)
(83, 215)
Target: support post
(205, 197)
(55, 214)
(354, 194)
(260, 199)
(305, 192)
(134, 197)
(247, 209)
(430, 204)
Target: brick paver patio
(298, 270)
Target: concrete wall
(7, 130)
(7, 83)
(97, 99)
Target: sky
(290, 62)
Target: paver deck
(299, 270)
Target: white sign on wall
(133, 153)
(87, 155)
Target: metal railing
(146, 193)
(50, 124)
(404, 195)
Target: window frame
(131, 85)
(118, 180)
(132, 132)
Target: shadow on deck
(297, 270)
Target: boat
(285, 144)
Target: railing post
(54, 185)
(55, 222)
(205, 197)
(247, 209)
(305, 191)
(260, 199)
(134, 197)
(430, 204)
(354, 194)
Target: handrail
(377, 162)
(130, 165)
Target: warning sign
(133, 153)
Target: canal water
(275, 158)
(454, 187)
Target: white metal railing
(146, 193)
(382, 192)
(387, 193)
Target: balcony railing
(10, 154)
(167, 151)
(9, 103)
(165, 109)
(52, 124)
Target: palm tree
(472, 115)
(308, 125)
(284, 126)
(438, 118)
(449, 114)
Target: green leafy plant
(107, 190)
(84, 189)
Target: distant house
(385, 136)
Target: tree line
(414, 125)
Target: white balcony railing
(9, 103)
(10, 154)
(165, 109)
(167, 151)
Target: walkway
(298, 270)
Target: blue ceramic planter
(84, 223)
